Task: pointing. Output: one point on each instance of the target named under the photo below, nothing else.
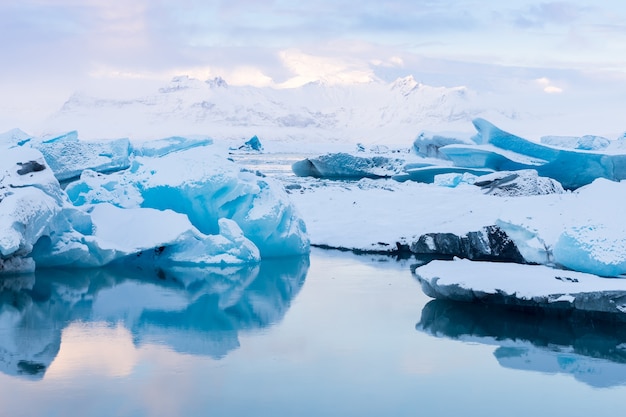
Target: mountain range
(375, 112)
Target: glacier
(184, 205)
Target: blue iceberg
(499, 150)
(188, 207)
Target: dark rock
(489, 244)
(30, 166)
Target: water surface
(331, 335)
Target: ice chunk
(488, 244)
(29, 200)
(572, 168)
(427, 174)
(596, 249)
(130, 235)
(523, 286)
(453, 180)
(347, 166)
(14, 137)
(488, 156)
(38, 223)
(68, 158)
(427, 144)
(161, 147)
(206, 187)
(253, 144)
(587, 142)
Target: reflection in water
(593, 351)
(196, 311)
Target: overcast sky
(52, 47)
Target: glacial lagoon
(333, 334)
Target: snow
(68, 158)
(523, 285)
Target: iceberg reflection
(199, 311)
(592, 351)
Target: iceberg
(206, 187)
(251, 145)
(205, 206)
(586, 142)
(68, 157)
(524, 286)
(343, 165)
(500, 150)
(161, 147)
(428, 144)
(14, 137)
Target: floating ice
(346, 166)
(534, 286)
(428, 174)
(253, 144)
(427, 144)
(500, 150)
(161, 147)
(587, 142)
(68, 158)
(206, 187)
(130, 235)
(173, 210)
(14, 137)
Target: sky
(52, 48)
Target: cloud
(548, 86)
(307, 68)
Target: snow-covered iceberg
(343, 165)
(68, 157)
(189, 206)
(205, 187)
(525, 286)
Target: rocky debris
(489, 244)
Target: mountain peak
(217, 82)
(405, 84)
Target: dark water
(330, 335)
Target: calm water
(330, 335)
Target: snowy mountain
(374, 112)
